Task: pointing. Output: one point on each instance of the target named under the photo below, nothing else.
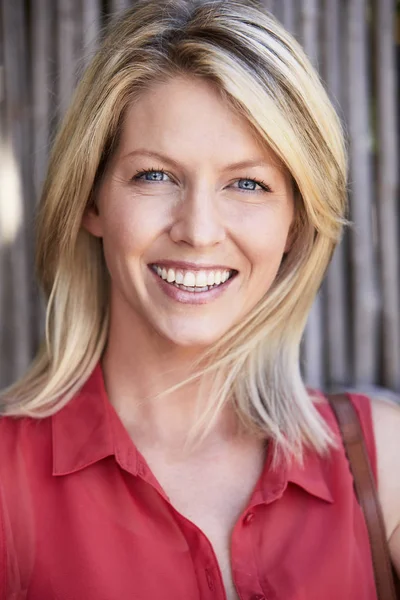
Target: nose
(197, 220)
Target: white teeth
(201, 279)
(179, 277)
(198, 281)
(189, 279)
(210, 278)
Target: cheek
(262, 237)
(131, 226)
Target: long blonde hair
(263, 72)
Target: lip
(190, 266)
(194, 298)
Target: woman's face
(194, 214)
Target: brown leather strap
(353, 441)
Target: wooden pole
(6, 361)
(117, 6)
(67, 11)
(337, 298)
(41, 52)
(309, 28)
(388, 180)
(41, 26)
(313, 346)
(16, 284)
(277, 11)
(91, 25)
(364, 276)
(289, 15)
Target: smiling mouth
(191, 281)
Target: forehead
(189, 116)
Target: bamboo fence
(353, 335)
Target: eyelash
(265, 187)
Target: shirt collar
(88, 430)
(314, 477)
(83, 430)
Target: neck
(139, 368)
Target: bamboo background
(353, 335)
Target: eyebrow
(257, 162)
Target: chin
(192, 338)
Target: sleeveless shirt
(83, 517)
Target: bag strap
(353, 441)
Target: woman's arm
(386, 420)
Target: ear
(92, 221)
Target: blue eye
(251, 185)
(150, 175)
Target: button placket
(210, 579)
(247, 581)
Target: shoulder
(23, 443)
(25, 459)
(386, 424)
(380, 421)
(23, 429)
(24, 454)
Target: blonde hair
(263, 72)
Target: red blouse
(83, 518)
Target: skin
(386, 420)
(199, 212)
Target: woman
(165, 444)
